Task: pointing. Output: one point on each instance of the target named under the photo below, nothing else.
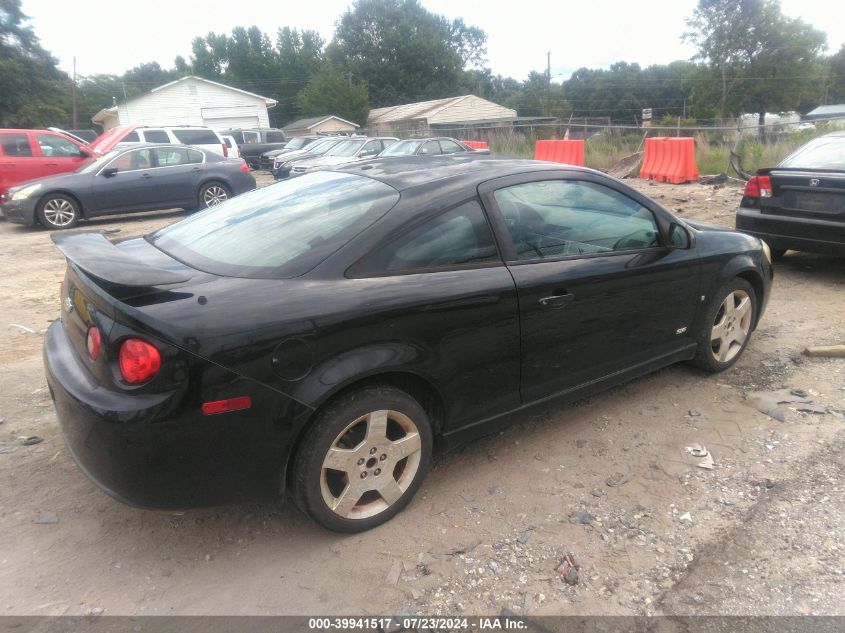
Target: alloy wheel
(370, 464)
(731, 326)
(213, 195)
(59, 212)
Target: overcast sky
(108, 38)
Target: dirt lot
(608, 479)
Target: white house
(190, 101)
(426, 116)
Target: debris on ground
(616, 480)
(706, 459)
(625, 166)
(22, 328)
(579, 516)
(825, 351)
(46, 518)
(32, 440)
(568, 569)
(455, 551)
(769, 402)
(686, 516)
(394, 573)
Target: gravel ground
(608, 479)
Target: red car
(28, 154)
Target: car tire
(727, 326)
(213, 193)
(379, 441)
(57, 211)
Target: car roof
(413, 171)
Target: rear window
(196, 137)
(156, 136)
(280, 231)
(821, 153)
(15, 145)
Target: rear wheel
(58, 211)
(363, 459)
(213, 193)
(727, 327)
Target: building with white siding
(425, 117)
(191, 101)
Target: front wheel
(213, 193)
(363, 459)
(58, 211)
(727, 327)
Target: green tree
(404, 52)
(835, 85)
(762, 59)
(145, 77)
(34, 91)
(330, 92)
(300, 59)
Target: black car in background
(135, 178)
(800, 204)
(282, 165)
(321, 334)
(293, 145)
(253, 142)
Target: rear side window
(279, 231)
(275, 137)
(821, 153)
(132, 137)
(172, 156)
(196, 137)
(15, 145)
(455, 238)
(450, 147)
(57, 146)
(156, 136)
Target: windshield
(297, 143)
(279, 231)
(345, 148)
(402, 148)
(99, 163)
(821, 153)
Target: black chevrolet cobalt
(323, 334)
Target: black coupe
(324, 333)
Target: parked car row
(334, 151)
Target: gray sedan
(140, 178)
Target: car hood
(110, 138)
(67, 181)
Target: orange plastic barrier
(569, 152)
(476, 144)
(669, 160)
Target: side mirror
(679, 237)
(84, 153)
(108, 172)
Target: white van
(198, 136)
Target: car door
(460, 305)
(599, 291)
(59, 154)
(17, 160)
(127, 183)
(177, 175)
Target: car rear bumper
(156, 450)
(20, 212)
(788, 232)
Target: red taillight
(94, 342)
(758, 187)
(245, 168)
(138, 361)
(225, 150)
(223, 406)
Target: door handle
(146, 176)
(556, 301)
(196, 169)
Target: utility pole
(548, 83)
(73, 96)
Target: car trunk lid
(813, 194)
